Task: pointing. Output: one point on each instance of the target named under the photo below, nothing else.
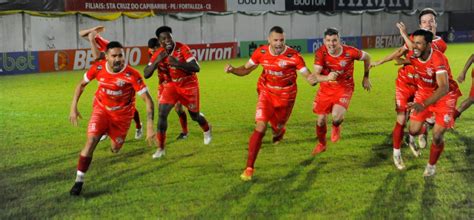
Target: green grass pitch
(354, 178)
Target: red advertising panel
(385, 41)
(145, 5)
(64, 60)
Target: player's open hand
(402, 28)
(417, 107)
(374, 64)
(228, 68)
(461, 77)
(366, 83)
(74, 116)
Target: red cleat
(335, 133)
(318, 149)
(278, 138)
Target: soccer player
(469, 100)
(113, 106)
(276, 89)
(436, 95)
(182, 87)
(406, 86)
(333, 97)
(98, 46)
(163, 77)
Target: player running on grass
(436, 94)
(405, 85)
(462, 76)
(113, 106)
(333, 97)
(183, 86)
(276, 90)
(163, 77)
(98, 46)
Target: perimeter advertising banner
(248, 47)
(18, 62)
(255, 5)
(162, 6)
(348, 5)
(309, 5)
(314, 44)
(64, 60)
(385, 41)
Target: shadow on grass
(380, 152)
(391, 198)
(428, 199)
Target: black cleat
(76, 189)
(182, 136)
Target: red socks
(183, 120)
(161, 137)
(255, 142)
(435, 152)
(83, 164)
(397, 135)
(321, 133)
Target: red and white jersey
(279, 71)
(163, 70)
(116, 91)
(342, 63)
(182, 53)
(438, 43)
(426, 72)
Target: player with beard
(333, 97)
(183, 86)
(98, 47)
(113, 106)
(276, 90)
(436, 94)
(462, 76)
(405, 86)
(163, 77)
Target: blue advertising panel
(18, 62)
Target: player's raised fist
(228, 68)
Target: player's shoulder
(99, 64)
(437, 55)
(262, 49)
(130, 71)
(291, 51)
(322, 50)
(349, 48)
(180, 45)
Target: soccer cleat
(318, 149)
(208, 136)
(422, 140)
(335, 133)
(139, 133)
(430, 170)
(414, 149)
(278, 138)
(398, 161)
(182, 136)
(103, 137)
(247, 174)
(76, 189)
(159, 153)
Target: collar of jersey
(342, 49)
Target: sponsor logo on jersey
(99, 67)
(113, 92)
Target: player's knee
(414, 131)
(261, 127)
(195, 116)
(437, 139)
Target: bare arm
(442, 90)
(150, 112)
(323, 78)
(365, 81)
(94, 48)
(150, 68)
(74, 114)
(395, 54)
(403, 32)
(462, 75)
(241, 70)
(190, 67)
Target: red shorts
(403, 95)
(443, 110)
(329, 96)
(115, 125)
(186, 92)
(273, 108)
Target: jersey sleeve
(256, 56)
(91, 73)
(356, 54)
(439, 64)
(319, 57)
(138, 84)
(187, 54)
(155, 56)
(300, 64)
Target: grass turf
(354, 178)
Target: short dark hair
(426, 11)
(153, 42)
(330, 32)
(428, 35)
(163, 29)
(113, 44)
(276, 29)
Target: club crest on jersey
(343, 63)
(282, 64)
(429, 71)
(120, 83)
